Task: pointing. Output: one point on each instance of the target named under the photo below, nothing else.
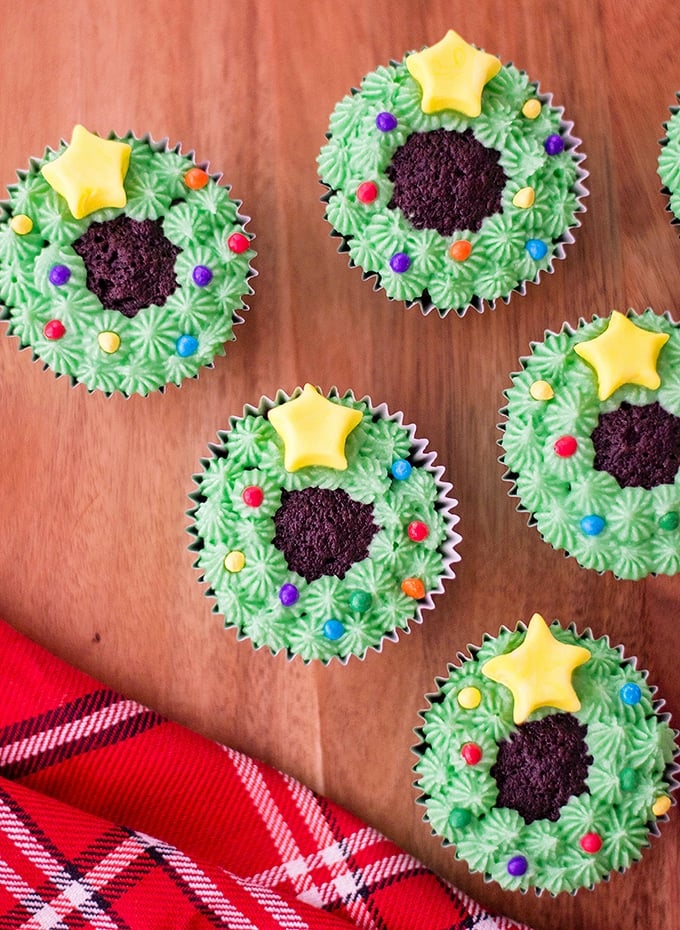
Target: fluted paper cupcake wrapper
(297, 629)
(426, 305)
(446, 687)
(147, 358)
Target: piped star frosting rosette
(669, 163)
(591, 441)
(322, 525)
(123, 263)
(408, 191)
(545, 758)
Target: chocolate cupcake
(545, 758)
(322, 525)
(591, 441)
(123, 263)
(451, 178)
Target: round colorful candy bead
(591, 843)
(401, 469)
(360, 601)
(541, 390)
(593, 524)
(202, 275)
(413, 587)
(554, 144)
(237, 243)
(536, 248)
(196, 178)
(460, 250)
(253, 495)
(670, 521)
(471, 753)
(109, 342)
(21, 224)
(565, 446)
(288, 595)
(333, 629)
(400, 262)
(469, 697)
(367, 191)
(459, 818)
(59, 275)
(385, 121)
(186, 345)
(418, 531)
(517, 866)
(54, 329)
(234, 561)
(630, 693)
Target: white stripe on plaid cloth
(71, 731)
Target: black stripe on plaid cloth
(83, 888)
(98, 719)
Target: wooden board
(93, 548)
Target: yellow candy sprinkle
(469, 698)
(109, 342)
(661, 806)
(234, 561)
(531, 108)
(21, 224)
(541, 390)
(524, 198)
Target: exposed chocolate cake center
(446, 180)
(322, 532)
(639, 446)
(130, 263)
(541, 766)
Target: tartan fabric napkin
(114, 818)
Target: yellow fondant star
(313, 430)
(623, 354)
(539, 671)
(452, 75)
(89, 175)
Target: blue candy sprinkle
(400, 262)
(333, 629)
(536, 248)
(630, 693)
(202, 275)
(593, 524)
(288, 595)
(401, 469)
(385, 121)
(186, 345)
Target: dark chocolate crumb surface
(638, 445)
(542, 765)
(446, 180)
(130, 263)
(322, 531)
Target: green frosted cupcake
(322, 525)
(545, 758)
(123, 264)
(451, 178)
(669, 163)
(591, 442)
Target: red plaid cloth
(90, 782)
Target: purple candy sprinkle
(554, 144)
(288, 594)
(517, 866)
(59, 274)
(385, 121)
(400, 262)
(202, 275)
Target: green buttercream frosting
(198, 222)
(368, 601)
(633, 750)
(499, 263)
(669, 161)
(640, 534)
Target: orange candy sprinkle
(413, 587)
(196, 178)
(460, 250)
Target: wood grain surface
(93, 545)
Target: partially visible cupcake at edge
(591, 442)
(123, 263)
(546, 758)
(452, 179)
(669, 163)
(322, 525)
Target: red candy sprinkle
(471, 752)
(196, 178)
(237, 242)
(591, 842)
(253, 495)
(565, 446)
(367, 192)
(54, 329)
(418, 531)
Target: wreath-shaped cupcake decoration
(669, 163)
(451, 178)
(545, 759)
(592, 442)
(123, 264)
(322, 525)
